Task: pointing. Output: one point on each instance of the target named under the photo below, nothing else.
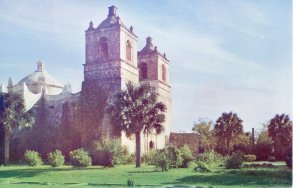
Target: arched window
(144, 71)
(164, 73)
(103, 48)
(128, 50)
(151, 145)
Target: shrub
(211, 159)
(161, 160)
(249, 158)
(289, 157)
(80, 158)
(147, 158)
(186, 156)
(110, 152)
(262, 151)
(278, 173)
(56, 158)
(234, 161)
(243, 148)
(257, 165)
(33, 158)
(272, 159)
(208, 157)
(170, 157)
(130, 182)
(201, 167)
(221, 149)
(128, 158)
(174, 157)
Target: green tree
(12, 116)
(228, 126)
(135, 109)
(280, 131)
(263, 136)
(206, 134)
(242, 143)
(109, 152)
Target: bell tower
(111, 55)
(154, 69)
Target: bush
(130, 182)
(234, 161)
(243, 148)
(56, 158)
(221, 149)
(80, 158)
(186, 156)
(257, 165)
(170, 157)
(262, 151)
(201, 167)
(110, 152)
(211, 159)
(174, 157)
(33, 158)
(272, 159)
(278, 173)
(161, 160)
(128, 159)
(148, 157)
(289, 157)
(249, 158)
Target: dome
(41, 79)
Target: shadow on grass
(230, 180)
(143, 172)
(80, 184)
(33, 171)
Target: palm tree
(135, 111)
(280, 131)
(12, 116)
(228, 126)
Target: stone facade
(112, 60)
(107, 65)
(154, 68)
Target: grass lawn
(146, 176)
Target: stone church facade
(112, 60)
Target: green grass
(148, 176)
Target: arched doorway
(151, 145)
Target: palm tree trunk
(228, 145)
(277, 149)
(137, 149)
(6, 147)
(2, 144)
(147, 143)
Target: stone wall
(190, 139)
(50, 108)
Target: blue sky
(225, 55)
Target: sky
(233, 55)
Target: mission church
(112, 60)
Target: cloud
(65, 19)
